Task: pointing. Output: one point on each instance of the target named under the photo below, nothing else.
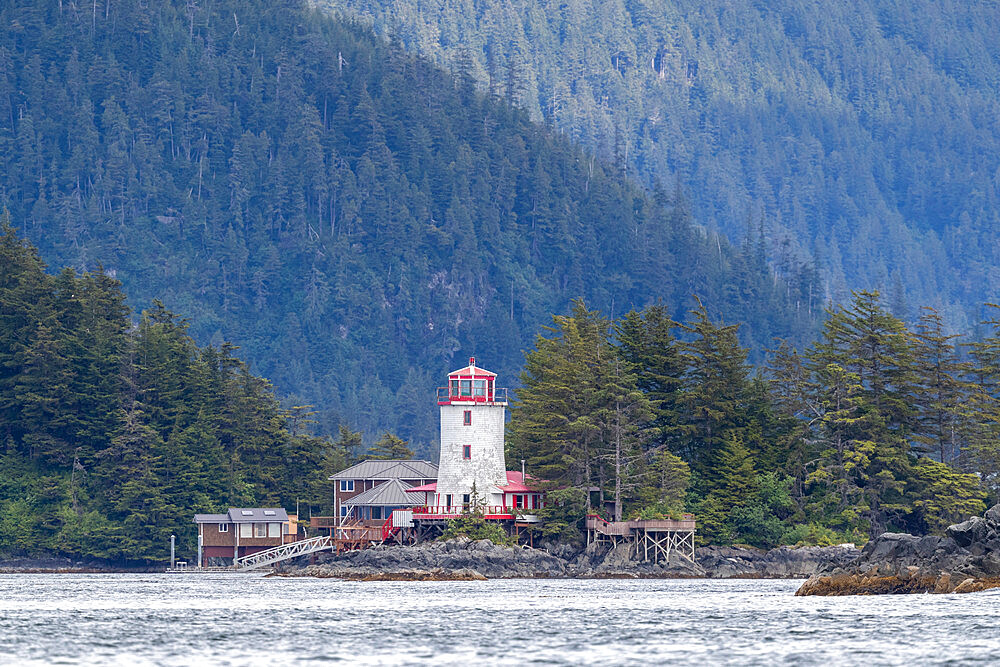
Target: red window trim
(466, 452)
(467, 418)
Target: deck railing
(284, 552)
(455, 510)
(497, 395)
(595, 522)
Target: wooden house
(368, 492)
(242, 531)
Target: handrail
(388, 529)
(497, 395)
(283, 552)
(463, 509)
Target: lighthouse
(472, 411)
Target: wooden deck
(652, 540)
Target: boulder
(965, 561)
(973, 530)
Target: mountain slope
(357, 221)
(861, 134)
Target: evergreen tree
(715, 389)
(940, 391)
(390, 447)
(647, 345)
(942, 495)
(666, 484)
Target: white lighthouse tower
(472, 439)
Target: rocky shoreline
(466, 560)
(966, 560)
(61, 565)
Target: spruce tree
(714, 392)
(940, 391)
(647, 345)
(390, 447)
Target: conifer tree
(982, 412)
(940, 391)
(647, 345)
(715, 389)
(560, 419)
(390, 447)
(864, 339)
(666, 483)
(941, 495)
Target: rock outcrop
(966, 559)
(780, 563)
(465, 559)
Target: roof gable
(517, 483)
(392, 493)
(471, 371)
(391, 469)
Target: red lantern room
(471, 385)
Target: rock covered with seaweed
(965, 560)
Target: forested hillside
(113, 436)
(861, 134)
(355, 220)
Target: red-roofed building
(518, 494)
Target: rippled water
(230, 619)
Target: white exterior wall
(487, 467)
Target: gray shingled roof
(388, 494)
(257, 514)
(237, 515)
(374, 469)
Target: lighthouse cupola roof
(471, 384)
(471, 371)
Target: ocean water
(233, 619)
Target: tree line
(114, 432)
(874, 427)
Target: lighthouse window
(466, 451)
(467, 418)
(454, 387)
(480, 386)
(466, 387)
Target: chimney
(472, 361)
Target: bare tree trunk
(618, 461)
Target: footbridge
(284, 552)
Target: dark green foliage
(390, 447)
(354, 219)
(474, 526)
(857, 135)
(826, 448)
(114, 437)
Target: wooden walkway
(283, 552)
(652, 540)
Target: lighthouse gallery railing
(498, 395)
